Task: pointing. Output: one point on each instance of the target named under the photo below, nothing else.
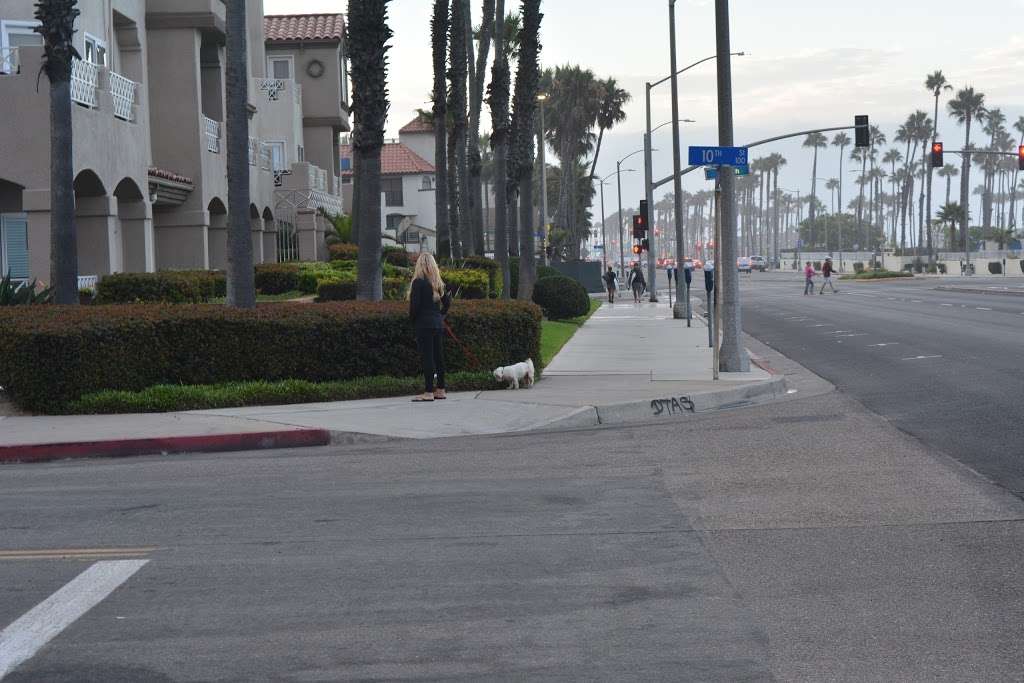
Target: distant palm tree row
(894, 206)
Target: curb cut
(215, 443)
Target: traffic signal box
(1020, 157)
(937, 155)
(863, 131)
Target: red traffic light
(937, 158)
(637, 249)
(1020, 157)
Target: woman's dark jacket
(426, 314)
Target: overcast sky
(811, 63)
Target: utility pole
(652, 272)
(733, 357)
(604, 234)
(677, 166)
(622, 250)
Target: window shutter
(15, 246)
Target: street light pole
(733, 357)
(677, 164)
(622, 251)
(652, 272)
(604, 234)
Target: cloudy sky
(811, 63)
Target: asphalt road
(945, 367)
(726, 547)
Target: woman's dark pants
(431, 346)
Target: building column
(257, 240)
(305, 229)
(99, 236)
(139, 250)
(181, 240)
(270, 241)
(218, 241)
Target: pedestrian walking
(611, 283)
(826, 274)
(428, 304)
(808, 279)
(637, 282)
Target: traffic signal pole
(652, 272)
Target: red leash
(474, 363)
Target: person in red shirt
(809, 279)
(826, 273)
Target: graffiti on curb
(672, 406)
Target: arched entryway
(99, 239)
(218, 234)
(269, 236)
(135, 223)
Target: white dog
(516, 374)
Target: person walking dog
(826, 274)
(428, 304)
(808, 279)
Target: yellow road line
(74, 553)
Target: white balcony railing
(123, 91)
(212, 130)
(9, 63)
(84, 81)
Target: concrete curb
(974, 290)
(676, 407)
(213, 443)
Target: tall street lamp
(618, 170)
(652, 273)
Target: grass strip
(555, 334)
(174, 398)
(877, 275)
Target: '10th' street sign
(719, 156)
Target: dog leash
(474, 363)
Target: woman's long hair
(426, 268)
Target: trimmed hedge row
(175, 287)
(561, 298)
(51, 356)
(488, 266)
(394, 290)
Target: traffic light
(937, 149)
(639, 227)
(863, 132)
(637, 249)
(1020, 157)
(645, 214)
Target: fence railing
(84, 81)
(212, 130)
(123, 91)
(9, 63)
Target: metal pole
(622, 252)
(733, 357)
(652, 273)
(677, 164)
(717, 313)
(604, 235)
(543, 185)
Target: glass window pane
(24, 39)
(282, 69)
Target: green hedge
(397, 256)
(495, 283)
(561, 298)
(51, 356)
(171, 286)
(343, 252)
(277, 278)
(471, 283)
(345, 290)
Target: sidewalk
(629, 364)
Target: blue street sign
(712, 173)
(718, 156)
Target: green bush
(175, 287)
(470, 283)
(547, 271)
(397, 256)
(542, 272)
(51, 356)
(877, 275)
(495, 282)
(561, 298)
(995, 268)
(858, 267)
(343, 252)
(277, 278)
(345, 290)
(17, 294)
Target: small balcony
(86, 85)
(212, 130)
(9, 62)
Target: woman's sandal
(423, 399)
(440, 396)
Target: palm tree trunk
(965, 188)
(459, 170)
(842, 154)
(63, 231)
(479, 76)
(241, 276)
(439, 37)
(499, 97)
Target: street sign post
(712, 173)
(719, 156)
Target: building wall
(421, 143)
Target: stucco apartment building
(149, 153)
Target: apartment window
(281, 67)
(278, 156)
(14, 245)
(14, 34)
(302, 154)
(427, 184)
(394, 221)
(95, 50)
(392, 189)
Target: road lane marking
(922, 357)
(20, 641)
(881, 345)
(74, 553)
(950, 305)
(982, 308)
(841, 332)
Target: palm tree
(457, 151)
(477, 79)
(860, 154)
(498, 97)
(967, 107)
(832, 185)
(842, 141)
(815, 141)
(775, 162)
(950, 214)
(610, 112)
(994, 120)
(524, 122)
(935, 83)
(241, 289)
(368, 34)
(439, 40)
(57, 27)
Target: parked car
(693, 263)
(744, 265)
(759, 263)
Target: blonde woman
(428, 304)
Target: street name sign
(712, 173)
(719, 156)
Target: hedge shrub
(858, 267)
(343, 252)
(471, 283)
(495, 282)
(277, 278)
(185, 286)
(51, 356)
(345, 290)
(995, 268)
(561, 298)
(397, 256)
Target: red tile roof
(395, 159)
(420, 124)
(169, 175)
(296, 27)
